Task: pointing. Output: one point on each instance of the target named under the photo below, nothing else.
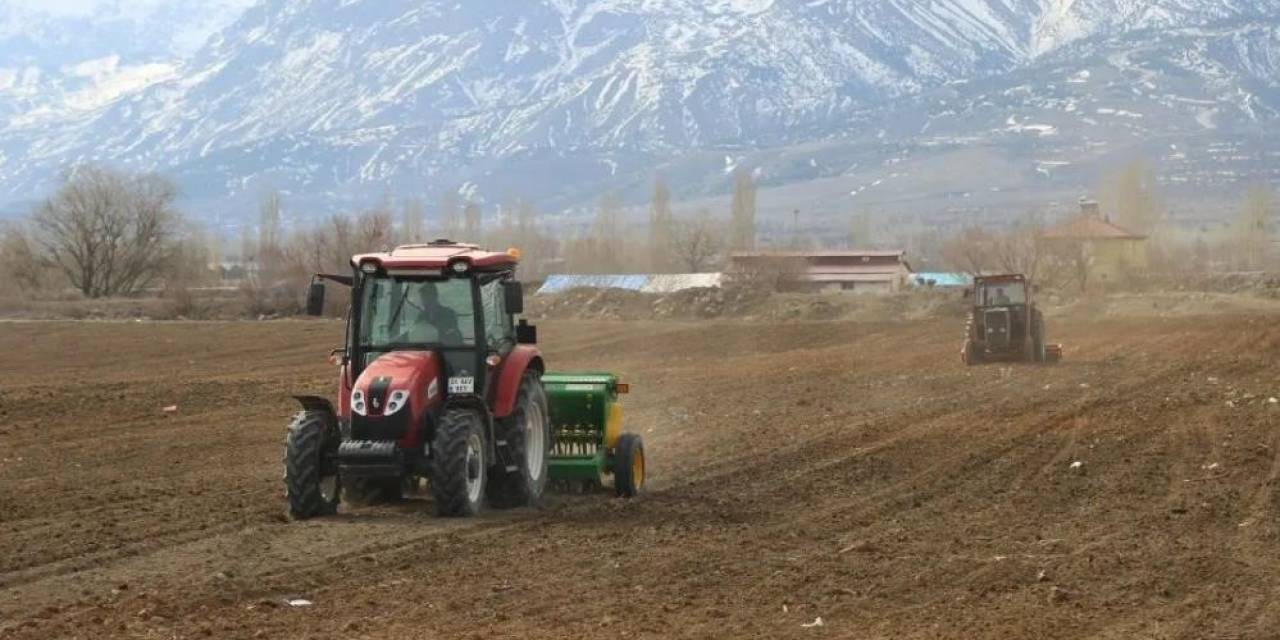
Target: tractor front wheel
(525, 437)
(628, 466)
(459, 464)
(311, 479)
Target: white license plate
(462, 385)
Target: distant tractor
(438, 382)
(1004, 324)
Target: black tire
(524, 484)
(628, 466)
(312, 483)
(1037, 339)
(458, 460)
(367, 491)
(972, 354)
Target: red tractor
(438, 382)
(1005, 324)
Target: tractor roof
(439, 255)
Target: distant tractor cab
(438, 382)
(1004, 324)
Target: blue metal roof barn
(661, 283)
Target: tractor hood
(998, 324)
(398, 381)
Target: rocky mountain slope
(561, 99)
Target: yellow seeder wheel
(628, 466)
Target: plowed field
(849, 472)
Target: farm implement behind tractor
(438, 381)
(589, 441)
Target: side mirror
(526, 333)
(513, 292)
(968, 293)
(315, 298)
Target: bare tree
(970, 252)
(268, 257)
(660, 221)
(1252, 230)
(412, 226)
(538, 249)
(697, 242)
(526, 217)
(1134, 195)
(375, 231)
(330, 245)
(600, 250)
(109, 233)
(450, 227)
(20, 266)
(1069, 260)
(473, 222)
(1019, 249)
(742, 217)
(248, 246)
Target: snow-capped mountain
(560, 99)
(55, 54)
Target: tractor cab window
(498, 330)
(1002, 294)
(404, 312)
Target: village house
(1110, 251)
(815, 271)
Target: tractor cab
(443, 297)
(1001, 292)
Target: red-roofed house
(850, 271)
(1110, 249)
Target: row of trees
(672, 242)
(1134, 202)
(110, 233)
(1244, 243)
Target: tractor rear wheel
(459, 464)
(1037, 339)
(527, 438)
(311, 479)
(972, 354)
(628, 466)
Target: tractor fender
(510, 373)
(318, 404)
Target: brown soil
(852, 472)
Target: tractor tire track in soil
(851, 471)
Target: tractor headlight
(460, 267)
(357, 402)
(369, 267)
(398, 400)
